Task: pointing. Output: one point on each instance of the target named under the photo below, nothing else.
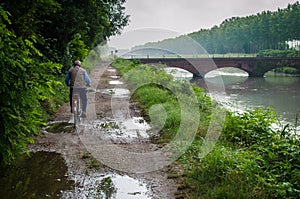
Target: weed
(94, 163)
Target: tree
(55, 24)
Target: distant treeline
(251, 34)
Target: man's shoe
(83, 115)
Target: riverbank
(249, 160)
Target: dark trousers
(82, 94)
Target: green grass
(224, 173)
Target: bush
(249, 128)
(276, 151)
(278, 53)
(25, 83)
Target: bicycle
(77, 108)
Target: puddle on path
(108, 186)
(114, 77)
(59, 127)
(115, 92)
(115, 82)
(134, 129)
(43, 175)
(111, 70)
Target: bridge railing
(145, 56)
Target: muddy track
(104, 126)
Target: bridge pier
(197, 76)
(255, 75)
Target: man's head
(77, 63)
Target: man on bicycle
(77, 79)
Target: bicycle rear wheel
(76, 110)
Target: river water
(280, 92)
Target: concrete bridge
(254, 66)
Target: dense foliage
(24, 84)
(39, 39)
(252, 159)
(266, 30)
(60, 26)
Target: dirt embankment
(106, 125)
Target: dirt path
(111, 142)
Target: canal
(280, 92)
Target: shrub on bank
(276, 150)
(278, 53)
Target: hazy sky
(152, 20)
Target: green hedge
(27, 88)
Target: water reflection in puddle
(119, 92)
(126, 131)
(111, 70)
(115, 76)
(43, 175)
(108, 186)
(116, 92)
(115, 82)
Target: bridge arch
(284, 69)
(204, 73)
(230, 71)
